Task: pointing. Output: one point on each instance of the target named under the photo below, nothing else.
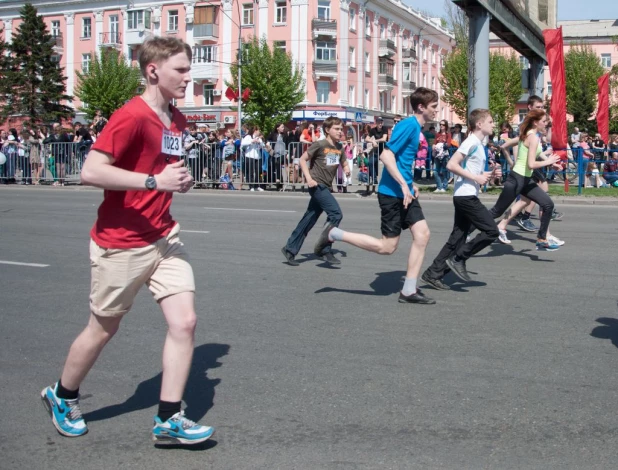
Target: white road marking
(193, 231)
(16, 263)
(251, 210)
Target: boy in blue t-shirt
(398, 198)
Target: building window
(279, 45)
(204, 54)
(606, 60)
(352, 19)
(522, 113)
(55, 28)
(172, 20)
(523, 62)
(441, 61)
(549, 88)
(382, 96)
(281, 12)
(367, 25)
(86, 27)
(323, 89)
(205, 15)
(367, 63)
(247, 14)
(382, 31)
(352, 58)
(351, 96)
(433, 57)
(433, 83)
(406, 73)
(86, 58)
(138, 18)
(424, 49)
(393, 104)
(174, 102)
(209, 95)
(325, 50)
(425, 80)
(366, 98)
(324, 9)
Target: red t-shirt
(134, 136)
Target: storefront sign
(203, 117)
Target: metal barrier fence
(34, 163)
(213, 165)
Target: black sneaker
(435, 283)
(289, 257)
(417, 298)
(330, 258)
(458, 268)
(323, 240)
(556, 215)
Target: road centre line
(250, 210)
(193, 231)
(16, 263)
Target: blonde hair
(157, 49)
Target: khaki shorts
(118, 274)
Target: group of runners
(138, 162)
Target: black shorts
(395, 218)
(538, 176)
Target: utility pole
(239, 91)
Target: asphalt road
(316, 367)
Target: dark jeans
(274, 169)
(253, 171)
(440, 173)
(611, 177)
(469, 211)
(372, 165)
(321, 201)
(516, 184)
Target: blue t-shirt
(404, 144)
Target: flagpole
(239, 59)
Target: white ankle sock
(409, 286)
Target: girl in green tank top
(521, 164)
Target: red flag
(554, 49)
(603, 111)
(230, 94)
(246, 93)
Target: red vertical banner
(603, 110)
(554, 49)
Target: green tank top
(521, 164)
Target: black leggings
(515, 185)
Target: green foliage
(583, 69)
(108, 84)
(36, 81)
(505, 86)
(276, 84)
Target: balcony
(386, 82)
(110, 39)
(407, 88)
(206, 32)
(57, 44)
(324, 28)
(204, 66)
(386, 48)
(408, 55)
(136, 37)
(325, 69)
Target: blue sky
(567, 9)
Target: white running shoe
(503, 238)
(555, 240)
(260, 189)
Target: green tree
(108, 84)
(5, 72)
(505, 86)
(36, 80)
(457, 21)
(613, 100)
(583, 69)
(276, 84)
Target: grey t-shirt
(324, 159)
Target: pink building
(598, 34)
(360, 60)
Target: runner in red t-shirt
(137, 161)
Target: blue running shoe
(527, 225)
(65, 414)
(547, 245)
(180, 430)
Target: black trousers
(469, 211)
(515, 185)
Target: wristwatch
(151, 183)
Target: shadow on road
(498, 249)
(199, 393)
(608, 330)
(387, 283)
